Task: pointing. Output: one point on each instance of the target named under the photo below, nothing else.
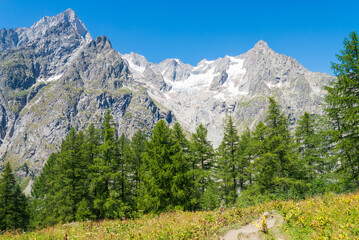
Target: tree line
(100, 175)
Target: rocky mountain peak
(66, 23)
(101, 42)
(261, 45)
(174, 69)
(69, 16)
(69, 13)
(136, 60)
(261, 53)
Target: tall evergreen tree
(342, 107)
(91, 152)
(275, 168)
(106, 203)
(202, 163)
(63, 183)
(164, 172)
(245, 157)
(71, 185)
(120, 199)
(137, 148)
(92, 144)
(280, 144)
(180, 137)
(228, 161)
(264, 168)
(183, 184)
(42, 193)
(13, 203)
(308, 144)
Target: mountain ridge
(227, 84)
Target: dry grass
(328, 217)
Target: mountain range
(54, 76)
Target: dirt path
(250, 231)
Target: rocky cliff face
(54, 76)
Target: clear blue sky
(308, 30)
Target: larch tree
(245, 158)
(137, 148)
(101, 184)
(280, 146)
(202, 163)
(164, 172)
(228, 162)
(342, 108)
(13, 203)
(308, 146)
(71, 185)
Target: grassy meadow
(326, 217)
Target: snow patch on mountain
(137, 68)
(49, 79)
(236, 67)
(196, 81)
(220, 96)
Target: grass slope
(327, 217)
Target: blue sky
(310, 31)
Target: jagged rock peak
(69, 15)
(136, 59)
(100, 42)
(261, 45)
(102, 39)
(66, 23)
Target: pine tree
(180, 137)
(120, 199)
(71, 185)
(13, 203)
(92, 144)
(63, 183)
(61, 192)
(21, 214)
(228, 161)
(264, 167)
(279, 144)
(275, 166)
(163, 172)
(91, 152)
(86, 179)
(342, 107)
(105, 202)
(245, 157)
(137, 148)
(42, 193)
(182, 184)
(202, 163)
(308, 144)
